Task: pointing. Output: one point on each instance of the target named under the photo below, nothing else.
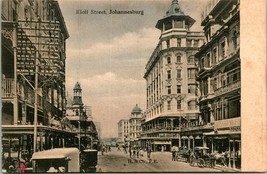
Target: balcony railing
(227, 88)
(7, 87)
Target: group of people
(105, 148)
(16, 165)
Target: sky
(107, 54)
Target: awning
(222, 132)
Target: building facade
(123, 130)
(219, 78)
(129, 130)
(170, 80)
(79, 116)
(135, 126)
(33, 77)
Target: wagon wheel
(192, 161)
(200, 162)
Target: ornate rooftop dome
(174, 9)
(77, 86)
(136, 110)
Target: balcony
(7, 88)
(228, 88)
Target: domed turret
(136, 110)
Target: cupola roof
(77, 86)
(136, 110)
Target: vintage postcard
(133, 86)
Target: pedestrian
(149, 151)
(173, 154)
(22, 166)
(103, 149)
(130, 152)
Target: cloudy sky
(107, 54)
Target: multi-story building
(135, 126)
(219, 78)
(123, 130)
(129, 130)
(170, 80)
(33, 76)
(80, 117)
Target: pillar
(180, 143)
(15, 101)
(234, 154)
(212, 145)
(204, 141)
(193, 142)
(188, 143)
(229, 151)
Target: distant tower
(77, 95)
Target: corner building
(170, 78)
(219, 79)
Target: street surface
(117, 161)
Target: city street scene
(120, 86)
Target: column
(204, 141)
(234, 154)
(209, 85)
(212, 145)
(180, 143)
(229, 151)
(193, 142)
(188, 143)
(15, 101)
(171, 123)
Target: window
(202, 65)
(196, 43)
(191, 60)
(188, 43)
(168, 43)
(214, 56)
(191, 89)
(169, 90)
(222, 45)
(191, 73)
(178, 89)
(168, 25)
(208, 60)
(179, 105)
(178, 42)
(168, 60)
(168, 105)
(178, 24)
(191, 105)
(179, 74)
(169, 74)
(178, 59)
